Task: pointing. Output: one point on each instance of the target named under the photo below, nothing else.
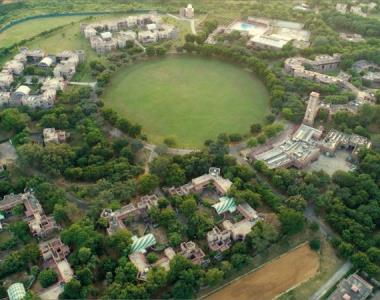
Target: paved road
(332, 281)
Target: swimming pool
(246, 26)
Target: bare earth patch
(273, 278)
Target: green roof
(142, 243)
(16, 291)
(225, 204)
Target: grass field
(273, 278)
(31, 28)
(188, 98)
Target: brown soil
(274, 278)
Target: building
(33, 56)
(14, 67)
(187, 12)
(270, 34)
(225, 205)
(295, 66)
(312, 109)
(336, 139)
(298, 150)
(46, 62)
(116, 218)
(352, 288)
(341, 8)
(219, 240)
(198, 184)
(5, 98)
(191, 251)
(16, 291)
(139, 260)
(108, 36)
(54, 254)
(51, 135)
(142, 243)
(6, 80)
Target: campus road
(332, 281)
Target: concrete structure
(140, 262)
(64, 65)
(14, 67)
(352, 37)
(219, 239)
(191, 251)
(336, 139)
(187, 12)
(6, 80)
(54, 254)
(198, 184)
(311, 109)
(46, 62)
(40, 225)
(54, 136)
(271, 34)
(116, 218)
(108, 36)
(16, 291)
(352, 288)
(298, 150)
(295, 66)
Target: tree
(47, 277)
(188, 207)
(214, 276)
(152, 257)
(296, 202)
(261, 236)
(72, 290)
(292, 221)
(148, 183)
(121, 241)
(13, 120)
(315, 244)
(20, 230)
(84, 254)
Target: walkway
(90, 84)
(192, 22)
(332, 281)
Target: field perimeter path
(274, 278)
(332, 281)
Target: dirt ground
(274, 278)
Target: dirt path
(274, 278)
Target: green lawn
(189, 98)
(31, 28)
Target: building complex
(265, 33)
(18, 87)
(110, 35)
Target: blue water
(247, 26)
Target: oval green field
(189, 98)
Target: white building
(187, 12)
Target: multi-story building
(51, 135)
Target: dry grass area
(329, 263)
(274, 278)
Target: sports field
(188, 98)
(31, 28)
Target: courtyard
(169, 98)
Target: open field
(188, 98)
(32, 28)
(329, 264)
(273, 278)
